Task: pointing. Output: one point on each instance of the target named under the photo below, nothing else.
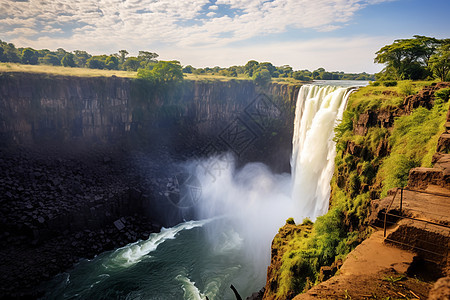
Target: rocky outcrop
(423, 98)
(280, 244)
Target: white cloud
(96, 25)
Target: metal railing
(391, 217)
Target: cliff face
(37, 109)
(90, 164)
(382, 136)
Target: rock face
(90, 164)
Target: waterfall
(318, 110)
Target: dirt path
(373, 270)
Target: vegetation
(413, 143)
(163, 72)
(417, 58)
(360, 175)
(260, 72)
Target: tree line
(262, 72)
(420, 57)
(77, 58)
(148, 67)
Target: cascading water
(241, 211)
(318, 111)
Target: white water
(319, 109)
(196, 259)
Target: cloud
(96, 25)
(173, 22)
(353, 54)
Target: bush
(406, 88)
(375, 83)
(261, 77)
(390, 83)
(443, 94)
(290, 221)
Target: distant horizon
(338, 35)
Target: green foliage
(443, 94)
(163, 72)
(50, 59)
(440, 62)
(406, 88)
(68, 61)
(188, 69)
(95, 62)
(412, 140)
(390, 83)
(290, 221)
(409, 58)
(261, 77)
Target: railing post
(401, 200)
(385, 214)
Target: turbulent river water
(240, 211)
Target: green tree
(168, 71)
(147, 56)
(81, 58)
(10, 52)
(407, 58)
(188, 69)
(440, 62)
(60, 53)
(67, 60)
(250, 67)
(112, 62)
(163, 72)
(29, 56)
(95, 62)
(131, 64)
(261, 77)
(122, 55)
(50, 59)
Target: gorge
(91, 165)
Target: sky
(338, 35)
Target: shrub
(406, 88)
(290, 221)
(443, 94)
(390, 83)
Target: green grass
(66, 71)
(382, 97)
(413, 143)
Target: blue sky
(306, 34)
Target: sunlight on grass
(60, 70)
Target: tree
(440, 62)
(131, 64)
(163, 72)
(81, 58)
(188, 69)
(250, 67)
(147, 56)
(168, 71)
(407, 58)
(95, 63)
(123, 54)
(261, 77)
(112, 62)
(60, 52)
(67, 60)
(29, 56)
(50, 59)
